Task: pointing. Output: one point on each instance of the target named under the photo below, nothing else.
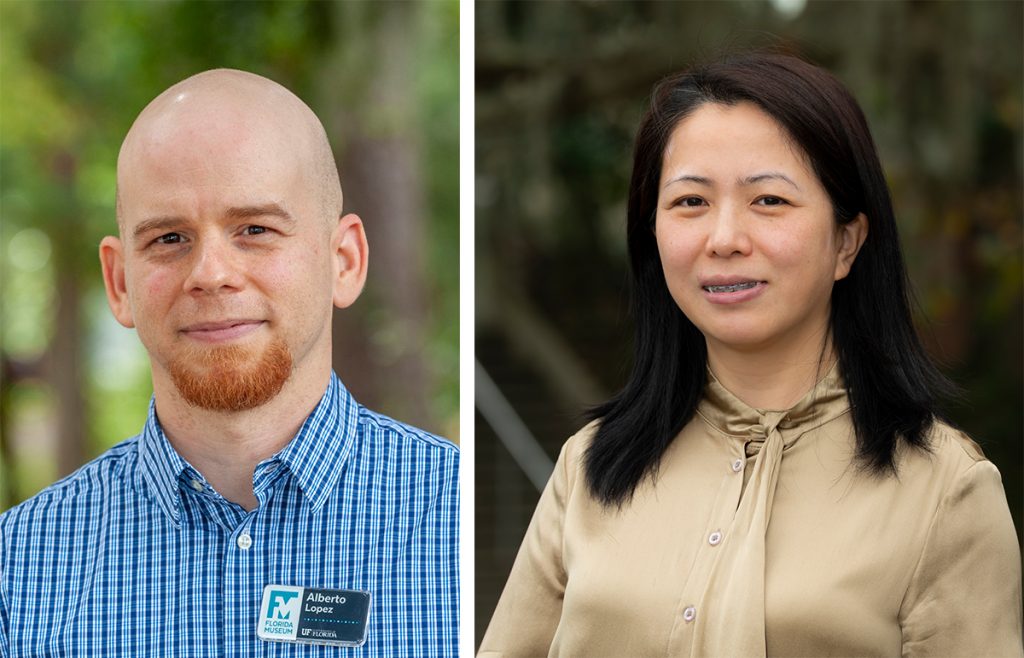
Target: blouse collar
(729, 415)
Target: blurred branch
(511, 430)
(542, 346)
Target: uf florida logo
(281, 606)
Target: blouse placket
(721, 607)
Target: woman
(774, 478)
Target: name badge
(314, 616)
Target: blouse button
(737, 466)
(715, 538)
(689, 613)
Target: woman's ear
(351, 255)
(112, 264)
(851, 239)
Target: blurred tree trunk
(65, 374)
(380, 163)
(64, 357)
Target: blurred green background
(383, 78)
(560, 88)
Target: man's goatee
(231, 378)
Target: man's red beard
(232, 378)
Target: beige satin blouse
(760, 536)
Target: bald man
(261, 511)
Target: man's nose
(728, 233)
(214, 267)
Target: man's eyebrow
(266, 209)
(156, 223)
(700, 180)
(768, 175)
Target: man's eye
(170, 238)
(771, 201)
(255, 230)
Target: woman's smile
(734, 293)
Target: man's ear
(351, 255)
(112, 262)
(851, 239)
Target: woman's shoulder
(571, 458)
(952, 461)
(577, 444)
(953, 448)
(965, 590)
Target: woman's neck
(769, 379)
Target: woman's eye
(690, 202)
(771, 201)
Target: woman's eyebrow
(700, 180)
(768, 175)
(745, 181)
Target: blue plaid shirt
(136, 555)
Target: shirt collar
(730, 415)
(160, 466)
(315, 456)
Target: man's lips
(220, 331)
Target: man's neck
(774, 378)
(226, 446)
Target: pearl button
(244, 541)
(197, 485)
(689, 613)
(737, 466)
(715, 538)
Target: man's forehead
(212, 141)
(226, 128)
(227, 155)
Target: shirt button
(737, 466)
(715, 538)
(197, 485)
(244, 541)
(689, 613)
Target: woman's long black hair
(892, 384)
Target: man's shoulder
(96, 476)
(381, 427)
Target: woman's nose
(727, 234)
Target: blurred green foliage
(73, 76)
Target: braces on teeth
(730, 289)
